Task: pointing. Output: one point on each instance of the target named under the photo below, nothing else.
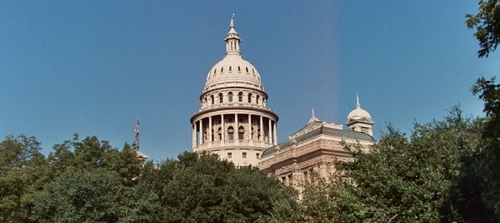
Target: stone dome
(233, 70)
(358, 113)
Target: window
(250, 98)
(246, 69)
(230, 95)
(257, 155)
(215, 71)
(222, 69)
(230, 133)
(244, 155)
(239, 69)
(229, 155)
(212, 99)
(230, 68)
(241, 132)
(240, 97)
(221, 99)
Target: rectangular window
(244, 155)
(229, 155)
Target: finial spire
(231, 24)
(357, 101)
(313, 117)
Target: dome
(358, 113)
(233, 70)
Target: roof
(314, 129)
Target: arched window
(215, 71)
(230, 68)
(222, 69)
(240, 97)
(246, 69)
(257, 100)
(212, 99)
(221, 98)
(241, 133)
(250, 98)
(230, 96)
(239, 69)
(230, 133)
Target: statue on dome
(231, 24)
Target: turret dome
(360, 120)
(358, 113)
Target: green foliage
(487, 25)
(487, 161)
(402, 179)
(80, 196)
(90, 153)
(22, 175)
(202, 188)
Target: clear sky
(94, 67)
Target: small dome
(358, 112)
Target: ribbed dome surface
(233, 70)
(359, 113)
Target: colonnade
(234, 129)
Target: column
(270, 133)
(201, 132)
(261, 138)
(236, 133)
(193, 137)
(275, 133)
(210, 130)
(223, 129)
(249, 128)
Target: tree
(402, 179)
(487, 25)
(80, 196)
(484, 167)
(487, 161)
(202, 188)
(22, 176)
(91, 153)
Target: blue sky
(94, 67)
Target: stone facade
(234, 120)
(314, 148)
(235, 123)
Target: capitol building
(235, 123)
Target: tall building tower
(234, 120)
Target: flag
(137, 131)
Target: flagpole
(137, 133)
